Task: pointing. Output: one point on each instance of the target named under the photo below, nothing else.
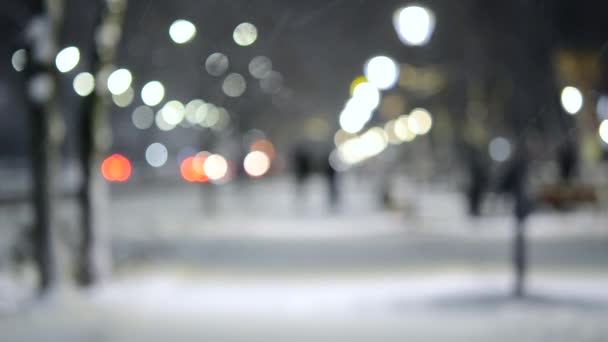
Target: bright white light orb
(119, 81)
(382, 72)
(500, 149)
(367, 96)
(84, 84)
(67, 59)
(572, 100)
(256, 164)
(245, 34)
(414, 25)
(182, 31)
(156, 155)
(152, 93)
(215, 167)
(173, 112)
(603, 131)
(354, 116)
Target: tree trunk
(95, 259)
(519, 259)
(47, 132)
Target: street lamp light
(414, 25)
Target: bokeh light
(19, 60)
(119, 81)
(354, 116)
(189, 172)
(603, 131)
(217, 64)
(223, 120)
(256, 164)
(67, 59)
(125, 99)
(402, 129)
(182, 31)
(152, 93)
(84, 84)
(215, 167)
(414, 25)
(367, 96)
(360, 148)
(193, 116)
(358, 80)
(500, 149)
(572, 100)
(391, 134)
(143, 117)
(266, 146)
(341, 137)
(156, 154)
(245, 34)
(173, 112)
(260, 67)
(212, 115)
(382, 72)
(116, 168)
(161, 123)
(234, 85)
(420, 121)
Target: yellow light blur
(402, 129)
(125, 99)
(356, 82)
(420, 121)
(368, 145)
(389, 129)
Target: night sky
(319, 46)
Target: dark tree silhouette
(47, 133)
(94, 255)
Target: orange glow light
(191, 170)
(116, 168)
(265, 146)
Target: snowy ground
(251, 263)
